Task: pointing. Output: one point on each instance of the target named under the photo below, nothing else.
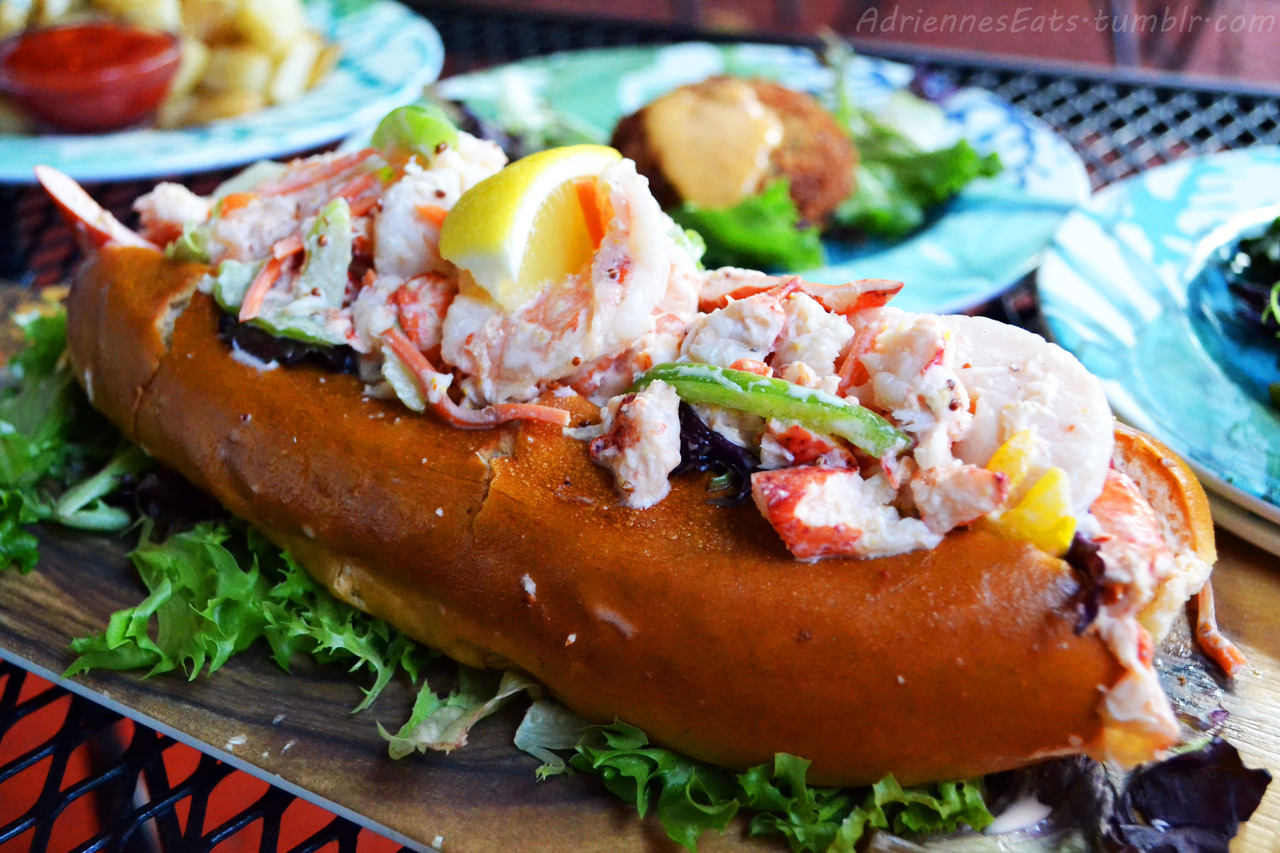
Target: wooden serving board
(484, 796)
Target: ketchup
(92, 76)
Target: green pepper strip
(777, 398)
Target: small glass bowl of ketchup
(90, 77)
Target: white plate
(388, 55)
(987, 238)
(1119, 289)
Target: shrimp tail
(93, 225)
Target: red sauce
(92, 76)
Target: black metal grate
(1118, 126)
(129, 791)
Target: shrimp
(963, 385)
(722, 286)
(911, 374)
(417, 307)
(813, 337)
(585, 318)
(786, 444)
(94, 226)
(163, 211)
(1017, 380)
(406, 224)
(1139, 566)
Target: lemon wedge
(1043, 517)
(534, 222)
(1013, 458)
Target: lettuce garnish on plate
(761, 231)
(51, 439)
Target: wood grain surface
(297, 730)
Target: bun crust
(507, 548)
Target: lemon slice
(528, 224)
(1043, 517)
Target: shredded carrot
(235, 201)
(594, 207)
(287, 246)
(313, 173)
(411, 356)
(358, 186)
(456, 415)
(433, 214)
(404, 299)
(361, 206)
(1222, 651)
(258, 288)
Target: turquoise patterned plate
(986, 239)
(1124, 287)
(388, 55)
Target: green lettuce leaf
(688, 796)
(548, 726)
(50, 438)
(759, 232)
(691, 797)
(216, 589)
(202, 603)
(897, 180)
(443, 722)
(897, 183)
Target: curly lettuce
(761, 231)
(50, 439)
(691, 797)
(215, 590)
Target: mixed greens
(1252, 270)
(58, 457)
(216, 588)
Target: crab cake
(717, 142)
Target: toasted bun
(507, 548)
(1183, 509)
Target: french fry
(155, 14)
(237, 69)
(225, 105)
(271, 25)
(210, 21)
(176, 111)
(328, 59)
(48, 12)
(293, 72)
(191, 70)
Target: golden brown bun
(1183, 509)
(507, 548)
(815, 155)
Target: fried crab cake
(717, 142)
